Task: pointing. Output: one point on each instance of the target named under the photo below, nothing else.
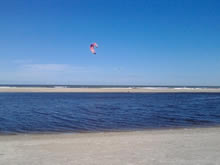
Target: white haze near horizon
(27, 72)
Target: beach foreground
(174, 146)
(110, 90)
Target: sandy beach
(174, 146)
(111, 90)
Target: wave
(113, 87)
(6, 87)
(178, 88)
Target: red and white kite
(92, 46)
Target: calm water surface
(82, 112)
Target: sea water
(88, 112)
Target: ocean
(111, 86)
(95, 112)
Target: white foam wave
(7, 87)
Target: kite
(92, 46)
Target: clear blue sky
(148, 42)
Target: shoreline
(107, 131)
(172, 146)
(107, 90)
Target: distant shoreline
(109, 90)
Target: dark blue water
(82, 112)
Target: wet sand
(171, 147)
(114, 90)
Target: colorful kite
(92, 47)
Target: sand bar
(199, 146)
(111, 90)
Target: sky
(143, 42)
